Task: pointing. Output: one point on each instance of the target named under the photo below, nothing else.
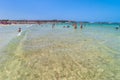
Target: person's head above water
(117, 27)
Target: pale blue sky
(79, 10)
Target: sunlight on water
(43, 53)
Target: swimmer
(19, 30)
(117, 28)
(68, 26)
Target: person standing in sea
(53, 25)
(19, 30)
(75, 26)
(81, 26)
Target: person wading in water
(75, 26)
(81, 26)
(19, 30)
(53, 25)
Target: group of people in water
(66, 26)
(75, 26)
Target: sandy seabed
(58, 54)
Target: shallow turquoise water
(99, 43)
(104, 34)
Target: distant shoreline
(9, 22)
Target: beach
(45, 53)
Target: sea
(43, 52)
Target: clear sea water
(92, 53)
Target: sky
(78, 10)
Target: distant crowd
(74, 25)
